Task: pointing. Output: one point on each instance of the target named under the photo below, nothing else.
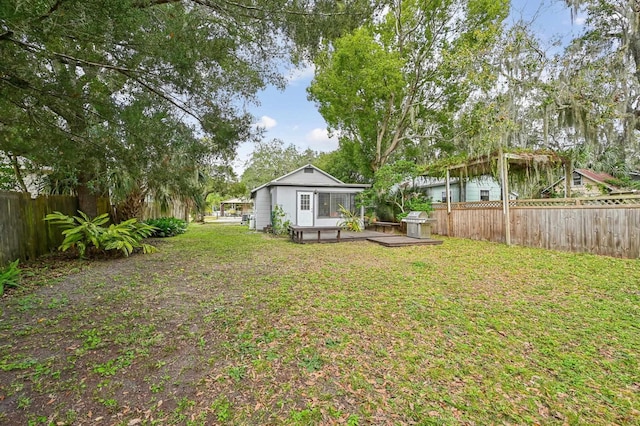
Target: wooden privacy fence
(24, 234)
(605, 225)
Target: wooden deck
(403, 240)
(385, 239)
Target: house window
(577, 179)
(330, 202)
(305, 202)
(444, 196)
(484, 195)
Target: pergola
(501, 162)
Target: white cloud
(579, 20)
(266, 122)
(301, 74)
(318, 139)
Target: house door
(305, 209)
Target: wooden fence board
(607, 226)
(25, 235)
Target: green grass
(223, 325)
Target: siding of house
(435, 192)
(283, 192)
(473, 188)
(588, 188)
(262, 206)
(285, 197)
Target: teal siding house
(481, 188)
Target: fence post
(505, 197)
(447, 194)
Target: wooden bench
(297, 232)
(385, 227)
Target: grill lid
(416, 214)
(416, 217)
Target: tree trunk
(568, 178)
(87, 198)
(18, 173)
(131, 207)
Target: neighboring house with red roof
(585, 183)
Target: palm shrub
(350, 220)
(9, 276)
(167, 226)
(82, 233)
(127, 236)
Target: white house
(308, 196)
(481, 188)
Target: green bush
(84, 234)
(279, 226)
(9, 276)
(415, 204)
(167, 226)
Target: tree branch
(52, 9)
(248, 8)
(163, 96)
(16, 169)
(6, 35)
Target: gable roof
(598, 177)
(306, 166)
(279, 180)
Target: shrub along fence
(24, 234)
(605, 225)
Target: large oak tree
(93, 88)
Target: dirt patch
(95, 342)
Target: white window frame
(335, 199)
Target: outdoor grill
(418, 224)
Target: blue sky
(289, 116)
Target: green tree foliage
(220, 182)
(577, 98)
(398, 83)
(272, 159)
(394, 191)
(339, 163)
(86, 86)
(602, 67)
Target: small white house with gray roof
(308, 196)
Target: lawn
(227, 326)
